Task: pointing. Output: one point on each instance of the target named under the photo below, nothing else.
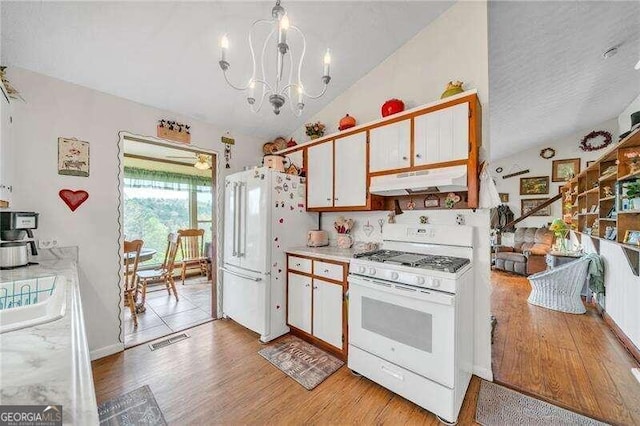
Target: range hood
(445, 179)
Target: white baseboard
(483, 373)
(106, 351)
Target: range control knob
(419, 280)
(372, 271)
(435, 283)
(394, 275)
(361, 269)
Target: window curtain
(142, 178)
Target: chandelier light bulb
(327, 57)
(224, 42)
(637, 67)
(284, 23)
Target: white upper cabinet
(320, 175)
(442, 135)
(390, 146)
(5, 153)
(351, 171)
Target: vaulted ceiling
(547, 74)
(165, 54)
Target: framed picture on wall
(504, 197)
(538, 185)
(528, 204)
(564, 170)
(632, 237)
(73, 157)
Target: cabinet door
(351, 171)
(389, 146)
(442, 135)
(327, 312)
(299, 301)
(320, 175)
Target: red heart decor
(73, 199)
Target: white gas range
(411, 315)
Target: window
(158, 203)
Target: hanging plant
(548, 153)
(588, 144)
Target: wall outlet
(47, 243)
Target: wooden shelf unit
(588, 189)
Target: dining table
(146, 254)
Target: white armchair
(559, 288)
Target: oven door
(408, 326)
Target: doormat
(301, 361)
(138, 407)
(498, 405)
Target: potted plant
(633, 194)
(560, 230)
(315, 130)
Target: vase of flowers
(560, 230)
(634, 160)
(315, 130)
(343, 227)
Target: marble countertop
(328, 252)
(49, 363)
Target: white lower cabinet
(299, 301)
(327, 312)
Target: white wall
(453, 47)
(624, 120)
(567, 147)
(54, 108)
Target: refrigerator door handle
(242, 200)
(235, 218)
(228, 271)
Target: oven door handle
(424, 294)
(392, 373)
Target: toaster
(317, 239)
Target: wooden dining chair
(192, 250)
(165, 272)
(131, 259)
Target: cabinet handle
(328, 199)
(335, 199)
(405, 158)
(307, 285)
(326, 271)
(297, 264)
(315, 287)
(418, 155)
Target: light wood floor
(570, 360)
(217, 376)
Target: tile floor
(165, 316)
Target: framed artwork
(564, 170)
(528, 204)
(73, 157)
(632, 237)
(432, 201)
(504, 197)
(534, 185)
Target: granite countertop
(49, 363)
(328, 252)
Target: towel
(596, 273)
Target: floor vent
(168, 341)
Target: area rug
(498, 405)
(138, 407)
(301, 361)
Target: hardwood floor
(217, 376)
(573, 361)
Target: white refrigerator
(264, 214)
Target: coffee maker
(16, 232)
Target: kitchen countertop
(328, 252)
(49, 363)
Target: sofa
(527, 256)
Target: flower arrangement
(314, 130)
(560, 230)
(343, 226)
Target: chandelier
(278, 90)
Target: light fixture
(203, 162)
(610, 52)
(277, 89)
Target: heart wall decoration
(73, 199)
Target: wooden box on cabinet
(316, 303)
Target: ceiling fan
(202, 161)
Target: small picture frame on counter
(632, 237)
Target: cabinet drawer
(331, 271)
(300, 264)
